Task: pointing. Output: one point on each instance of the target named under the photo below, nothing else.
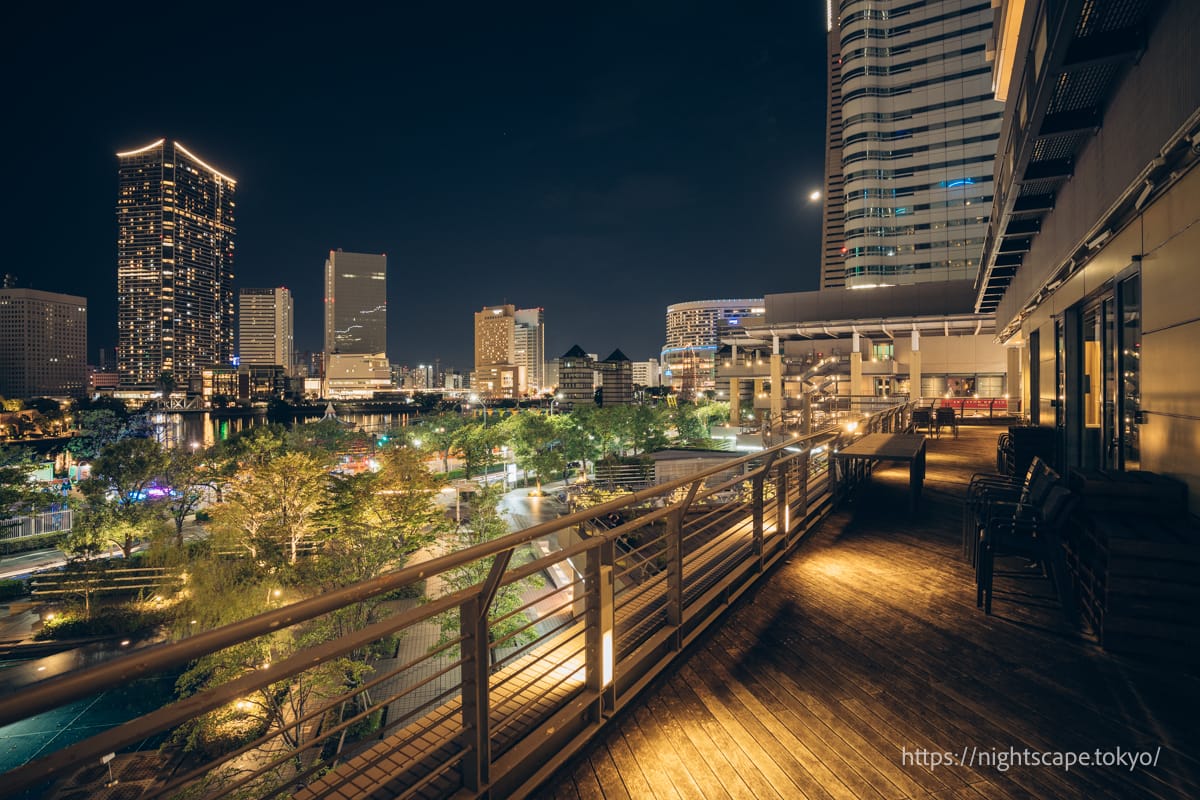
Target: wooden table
(903, 447)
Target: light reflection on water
(206, 429)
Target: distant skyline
(600, 163)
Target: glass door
(1092, 438)
(1129, 372)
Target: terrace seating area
(862, 667)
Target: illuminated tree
(118, 491)
(270, 510)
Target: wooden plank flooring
(867, 643)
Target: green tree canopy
(535, 442)
(271, 510)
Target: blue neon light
(960, 182)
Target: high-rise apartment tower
(175, 241)
(266, 327)
(911, 136)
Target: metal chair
(1029, 531)
(945, 417)
(986, 489)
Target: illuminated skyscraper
(175, 241)
(356, 363)
(495, 336)
(355, 303)
(694, 333)
(265, 327)
(43, 344)
(530, 346)
(510, 342)
(911, 136)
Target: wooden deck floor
(866, 644)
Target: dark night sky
(600, 160)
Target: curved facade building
(916, 138)
(694, 332)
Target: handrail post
(758, 504)
(782, 515)
(476, 669)
(802, 500)
(476, 735)
(675, 566)
(600, 636)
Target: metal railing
(36, 525)
(520, 651)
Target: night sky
(599, 160)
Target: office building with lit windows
(266, 320)
(530, 346)
(510, 347)
(355, 303)
(912, 131)
(356, 363)
(43, 344)
(694, 333)
(175, 246)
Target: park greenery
(293, 513)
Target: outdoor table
(903, 447)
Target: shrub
(11, 588)
(125, 620)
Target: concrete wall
(955, 355)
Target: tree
(605, 425)
(97, 429)
(270, 510)
(252, 447)
(690, 426)
(326, 436)
(441, 432)
(118, 491)
(578, 442)
(376, 520)
(17, 493)
(535, 442)
(86, 570)
(477, 443)
(645, 427)
(187, 474)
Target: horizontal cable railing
(518, 652)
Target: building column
(914, 368)
(1014, 384)
(776, 380)
(856, 372)
(735, 401)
